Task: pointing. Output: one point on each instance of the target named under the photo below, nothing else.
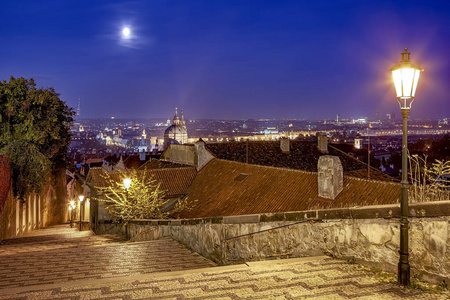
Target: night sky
(229, 59)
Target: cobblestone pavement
(65, 255)
(165, 270)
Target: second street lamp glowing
(127, 183)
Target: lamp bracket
(405, 103)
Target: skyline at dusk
(229, 59)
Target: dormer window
(241, 177)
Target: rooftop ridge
(268, 167)
(310, 173)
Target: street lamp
(71, 208)
(126, 184)
(406, 76)
(81, 198)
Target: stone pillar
(38, 210)
(29, 213)
(17, 217)
(34, 212)
(23, 210)
(284, 144)
(330, 176)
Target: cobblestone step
(101, 268)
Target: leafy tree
(143, 200)
(34, 132)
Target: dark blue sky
(229, 59)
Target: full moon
(126, 32)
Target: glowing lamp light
(72, 203)
(81, 198)
(127, 183)
(406, 77)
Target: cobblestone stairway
(59, 263)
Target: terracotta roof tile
(269, 190)
(160, 164)
(175, 181)
(302, 156)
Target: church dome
(175, 129)
(177, 132)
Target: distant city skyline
(229, 59)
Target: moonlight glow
(126, 32)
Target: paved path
(59, 263)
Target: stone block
(301, 215)
(338, 213)
(272, 217)
(241, 219)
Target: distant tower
(78, 108)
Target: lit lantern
(406, 76)
(127, 183)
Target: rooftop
(175, 181)
(226, 188)
(302, 156)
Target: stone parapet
(417, 210)
(369, 235)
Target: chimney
(322, 143)
(284, 144)
(201, 155)
(142, 155)
(330, 176)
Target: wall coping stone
(241, 219)
(417, 210)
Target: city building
(177, 132)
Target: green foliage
(34, 132)
(143, 200)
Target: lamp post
(81, 198)
(406, 76)
(71, 208)
(126, 184)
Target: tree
(34, 132)
(143, 200)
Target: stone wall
(368, 235)
(36, 211)
(193, 155)
(182, 154)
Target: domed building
(177, 132)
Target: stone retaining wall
(367, 235)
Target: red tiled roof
(160, 164)
(175, 181)
(133, 162)
(94, 160)
(302, 156)
(216, 192)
